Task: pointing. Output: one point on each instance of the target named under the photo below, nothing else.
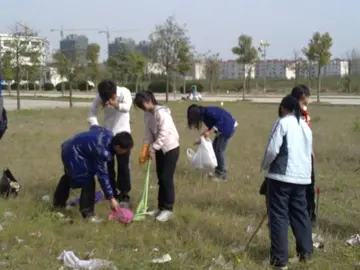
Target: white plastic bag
(204, 158)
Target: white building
(33, 42)
(197, 71)
(276, 68)
(231, 69)
(335, 68)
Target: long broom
(141, 210)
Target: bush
(48, 87)
(159, 86)
(14, 86)
(85, 86)
(66, 86)
(131, 87)
(30, 86)
(189, 86)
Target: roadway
(10, 103)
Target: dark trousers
(165, 170)
(287, 204)
(219, 144)
(310, 193)
(123, 179)
(87, 197)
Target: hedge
(159, 86)
(48, 87)
(67, 87)
(15, 85)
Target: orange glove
(144, 154)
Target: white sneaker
(164, 216)
(153, 213)
(95, 219)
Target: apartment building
(276, 68)
(335, 68)
(33, 43)
(74, 47)
(231, 69)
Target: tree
(117, 64)
(7, 69)
(34, 67)
(352, 58)
(212, 69)
(166, 41)
(92, 57)
(136, 63)
(20, 52)
(318, 51)
(184, 65)
(63, 66)
(247, 56)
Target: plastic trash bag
(8, 184)
(204, 159)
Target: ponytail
(291, 104)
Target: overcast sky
(213, 25)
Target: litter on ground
(222, 263)
(318, 241)
(353, 240)
(164, 259)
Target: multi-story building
(231, 69)
(33, 43)
(74, 47)
(335, 68)
(276, 68)
(143, 47)
(121, 42)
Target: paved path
(10, 104)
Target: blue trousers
(287, 204)
(220, 143)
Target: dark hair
(291, 104)
(194, 116)
(106, 89)
(123, 139)
(144, 96)
(300, 91)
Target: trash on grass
(18, 240)
(1, 227)
(4, 263)
(36, 234)
(356, 265)
(221, 262)
(249, 228)
(89, 255)
(318, 241)
(9, 215)
(45, 198)
(70, 260)
(155, 249)
(60, 215)
(354, 240)
(164, 259)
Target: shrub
(30, 86)
(132, 87)
(85, 86)
(48, 87)
(66, 86)
(159, 86)
(15, 85)
(189, 86)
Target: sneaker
(211, 175)
(219, 179)
(164, 215)
(154, 213)
(95, 219)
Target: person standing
(116, 102)
(287, 160)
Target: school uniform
(116, 120)
(224, 124)
(287, 160)
(310, 191)
(85, 155)
(162, 135)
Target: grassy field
(210, 217)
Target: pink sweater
(160, 129)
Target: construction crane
(107, 33)
(61, 30)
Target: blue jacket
(219, 119)
(86, 155)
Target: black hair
(144, 96)
(123, 139)
(291, 104)
(194, 116)
(300, 91)
(106, 89)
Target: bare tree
(212, 69)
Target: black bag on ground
(3, 123)
(263, 187)
(8, 184)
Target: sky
(212, 25)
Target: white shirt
(116, 120)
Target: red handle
(317, 191)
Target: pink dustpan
(123, 215)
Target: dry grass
(209, 216)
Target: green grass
(209, 216)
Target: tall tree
(20, 50)
(247, 56)
(7, 69)
(212, 69)
(117, 64)
(166, 41)
(185, 62)
(318, 51)
(64, 69)
(92, 56)
(34, 68)
(136, 63)
(352, 57)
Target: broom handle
(147, 180)
(317, 201)
(256, 231)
